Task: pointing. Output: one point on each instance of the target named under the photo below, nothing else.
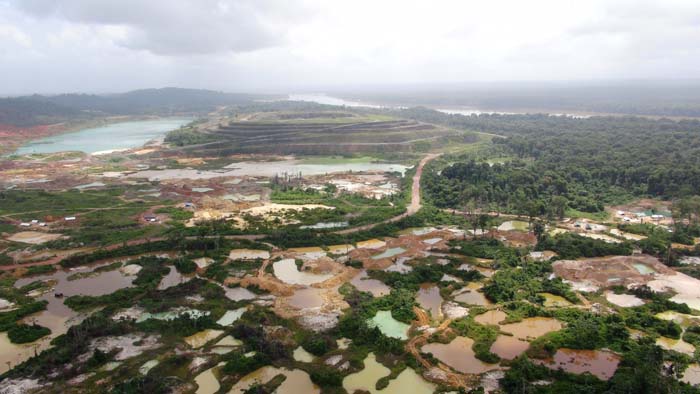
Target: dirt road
(412, 208)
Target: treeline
(587, 162)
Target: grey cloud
(168, 27)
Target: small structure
(25, 224)
(69, 218)
(150, 218)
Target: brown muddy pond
(57, 316)
(692, 374)
(471, 295)
(173, 278)
(532, 327)
(491, 318)
(459, 355)
(286, 270)
(429, 299)
(508, 348)
(306, 298)
(297, 381)
(362, 282)
(599, 363)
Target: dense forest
(580, 163)
(37, 109)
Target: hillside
(36, 109)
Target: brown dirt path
(412, 208)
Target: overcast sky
(50, 46)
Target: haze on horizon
(51, 46)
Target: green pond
(389, 326)
(123, 135)
(643, 269)
(389, 253)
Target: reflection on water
(429, 298)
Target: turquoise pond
(389, 326)
(123, 135)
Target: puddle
(238, 197)
(391, 252)
(286, 271)
(239, 294)
(681, 319)
(310, 253)
(554, 301)
(297, 381)
(692, 374)
(33, 237)
(643, 269)
(408, 381)
(623, 300)
(492, 317)
(340, 249)
(459, 355)
(371, 244)
(400, 266)
(207, 383)
(678, 345)
(303, 356)
(432, 241)
(202, 338)
(325, 225)
(599, 363)
(511, 225)
(248, 254)
(89, 185)
(389, 326)
(173, 278)
(532, 327)
(366, 379)
(687, 288)
(471, 295)
(429, 299)
(508, 348)
(306, 298)
(171, 315)
(376, 287)
(147, 366)
(229, 341)
(230, 317)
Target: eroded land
(299, 248)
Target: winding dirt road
(412, 208)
